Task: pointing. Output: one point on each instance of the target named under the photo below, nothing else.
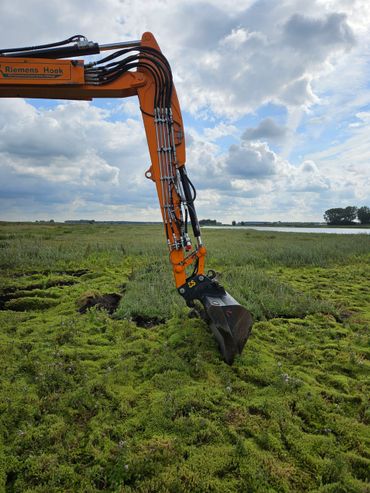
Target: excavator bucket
(229, 321)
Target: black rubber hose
(192, 187)
(110, 71)
(107, 75)
(63, 52)
(77, 37)
(189, 201)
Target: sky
(275, 96)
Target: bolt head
(201, 278)
(182, 290)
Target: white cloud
(237, 38)
(267, 129)
(251, 178)
(348, 164)
(364, 116)
(72, 150)
(251, 160)
(313, 37)
(251, 62)
(218, 131)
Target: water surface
(287, 229)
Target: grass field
(140, 400)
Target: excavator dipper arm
(138, 68)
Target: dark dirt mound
(107, 302)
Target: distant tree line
(240, 223)
(348, 215)
(209, 222)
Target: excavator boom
(138, 68)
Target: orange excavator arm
(138, 68)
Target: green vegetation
(363, 215)
(209, 222)
(347, 216)
(140, 400)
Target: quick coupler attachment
(229, 321)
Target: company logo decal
(42, 72)
(13, 71)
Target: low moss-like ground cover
(141, 401)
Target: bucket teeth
(229, 321)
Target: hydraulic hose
(63, 52)
(189, 201)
